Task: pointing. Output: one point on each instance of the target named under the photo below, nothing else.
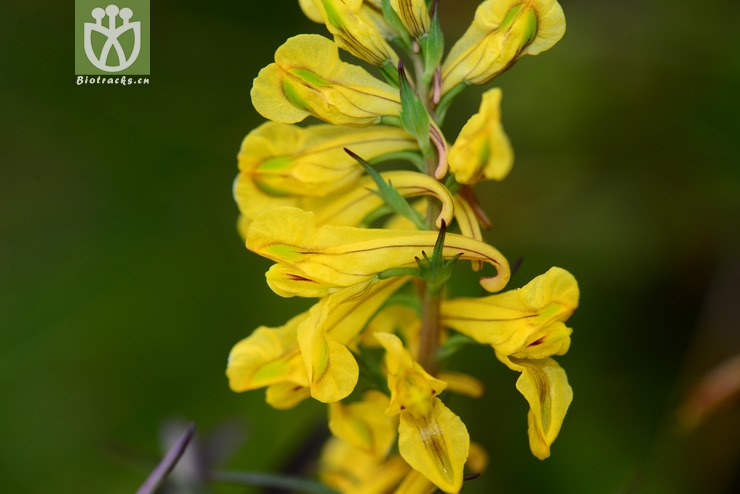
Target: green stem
(429, 343)
(422, 89)
(430, 306)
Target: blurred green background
(123, 283)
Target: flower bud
(501, 32)
(354, 30)
(414, 15)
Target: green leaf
(390, 195)
(432, 46)
(414, 116)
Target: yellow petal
(286, 165)
(344, 467)
(400, 222)
(412, 388)
(330, 326)
(463, 384)
(482, 150)
(436, 445)
(242, 225)
(415, 483)
(373, 11)
(340, 256)
(352, 471)
(350, 309)
(382, 480)
(468, 224)
(355, 32)
(308, 78)
(545, 387)
(310, 161)
(352, 207)
(311, 11)
(287, 282)
(270, 99)
(370, 9)
(268, 356)
(526, 322)
(283, 396)
(502, 31)
(333, 373)
(364, 424)
(414, 15)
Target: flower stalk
(430, 329)
(377, 248)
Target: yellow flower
(353, 29)
(287, 160)
(349, 207)
(502, 31)
(270, 357)
(432, 439)
(284, 165)
(414, 15)
(372, 10)
(364, 424)
(526, 322)
(308, 8)
(415, 483)
(482, 150)
(309, 199)
(412, 388)
(313, 261)
(333, 324)
(308, 78)
(468, 224)
(352, 471)
(525, 327)
(352, 207)
(544, 385)
(308, 355)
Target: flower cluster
(376, 248)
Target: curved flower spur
(376, 248)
